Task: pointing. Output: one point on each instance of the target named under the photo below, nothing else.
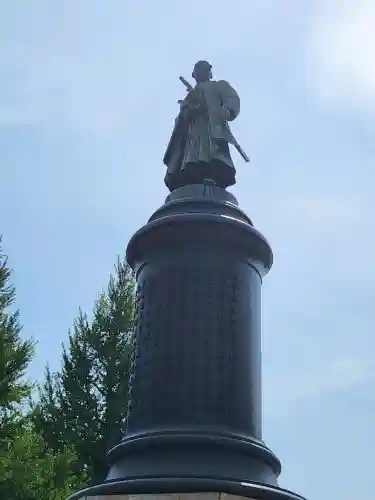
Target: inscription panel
(193, 362)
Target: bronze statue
(199, 146)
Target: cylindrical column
(197, 358)
(195, 420)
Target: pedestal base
(172, 496)
(199, 489)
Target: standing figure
(199, 146)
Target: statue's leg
(222, 165)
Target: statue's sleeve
(229, 98)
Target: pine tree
(15, 353)
(85, 402)
(28, 469)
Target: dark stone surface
(195, 420)
(197, 353)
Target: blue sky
(88, 95)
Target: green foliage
(15, 353)
(85, 402)
(28, 469)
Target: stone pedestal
(171, 496)
(195, 414)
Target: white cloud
(81, 66)
(341, 52)
(330, 209)
(333, 376)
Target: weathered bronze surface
(199, 146)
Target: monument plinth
(195, 412)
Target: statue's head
(202, 71)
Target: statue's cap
(202, 63)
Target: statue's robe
(199, 145)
